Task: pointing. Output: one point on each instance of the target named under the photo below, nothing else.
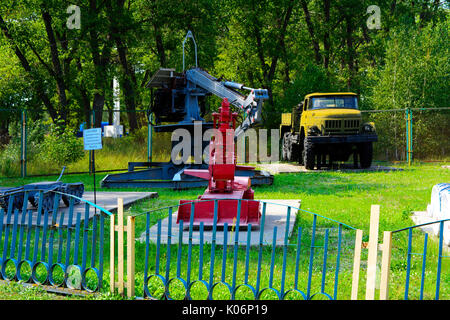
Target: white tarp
(439, 208)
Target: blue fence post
(439, 266)
(338, 259)
(424, 259)
(213, 249)
(261, 239)
(408, 263)
(311, 258)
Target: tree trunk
(57, 69)
(311, 31)
(326, 35)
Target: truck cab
(327, 125)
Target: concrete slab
(106, 200)
(276, 214)
(276, 168)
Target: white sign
(92, 139)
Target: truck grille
(342, 126)
(332, 124)
(351, 124)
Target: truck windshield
(342, 102)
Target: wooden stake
(130, 256)
(373, 252)
(385, 265)
(356, 264)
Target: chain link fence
(30, 145)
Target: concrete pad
(276, 214)
(276, 168)
(106, 200)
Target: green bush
(62, 147)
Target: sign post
(92, 139)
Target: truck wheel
(365, 151)
(309, 155)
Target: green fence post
(408, 153)
(150, 139)
(90, 151)
(411, 136)
(23, 146)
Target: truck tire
(365, 151)
(309, 156)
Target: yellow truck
(327, 125)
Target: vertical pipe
(272, 258)
(37, 230)
(44, 235)
(14, 234)
(22, 225)
(247, 252)
(224, 252)
(213, 245)
(200, 260)
(29, 228)
(6, 240)
(311, 257)
(439, 266)
(94, 240)
(69, 234)
(261, 238)
(424, 259)
(147, 246)
(85, 237)
(236, 243)
(77, 238)
(52, 234)
(338, 260)
(2, 215)
(407, 135)
(324, 266)
(150, 139)
(410, 136)
(100, 249)
(408, 263)
(180, 242)
(60, 233)
(158, 246)
(169, 243)
(191, 227)
(286, 238)
(297, 257)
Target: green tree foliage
(288, 47)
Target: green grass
(341, 196)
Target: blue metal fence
(291, 268)
(436, 260)
(62, 248)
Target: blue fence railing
(195, 261)
(420, 277)
(62, 247)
